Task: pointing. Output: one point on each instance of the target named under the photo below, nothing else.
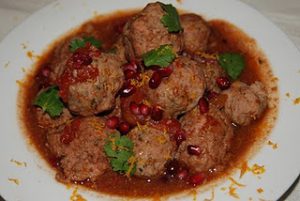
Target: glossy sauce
(225, 38)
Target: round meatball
(181, 91)
(195, 33)
(96, 95)
(209, 136)
(45, 121)
(146, 32)
(152, 148)
(245, 103)
(80, 145)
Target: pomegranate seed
(127, 89)
(165, 72)
(203, 105)
(131, 66)
(130, 74)
(223, 82)
(182, 174)
(211, 95)
(193, 150)
(81, 58)
(46, 72)
(172, 167)
(112, 122)
(156, 113)
(197, 178)
(134, 108)
(155, 80)
(124, 127)
(180, 137)
(144, 109)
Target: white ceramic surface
(37, 179)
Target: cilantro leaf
(50, 102)
(232, 63)
(171, 18)
(161, 56)
(119, 150)
(78, 43)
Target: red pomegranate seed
(131, 66)
(130, 74)
(165, 72)
(46, 72)
(223, 82)
(203, 105)
(134, 108)
(171, 168)
(155, 80)
(112, 122)
(124, 127)
(197, 178)
(81, 58)
(182, 174)
(127, 89)
(156, 113)
(193, 150)
(180, 137)
(144, 109)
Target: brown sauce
(225, 38)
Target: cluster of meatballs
(179, 113)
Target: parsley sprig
(161, 56)
(119, 150)
(171, 18)
(233, 64)
(78, 43)
(50, 102)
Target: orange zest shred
(288, 94)
(260, 190)
(206, 56)
(212, 195)
(76, 196)
(18, 163)
(297, 101)
(31, 55)
(232, 192)
(236, 183)
(257, 169)
(244, 168)
(274, 145)
(131, 162)
(6, 64)
(14, 180)
(144, 80)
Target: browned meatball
(97, 95)
(45, 121)
(152, 148)
(146, 32)
(181, 91)
(80, 144)
(244, 102)
(210, 135)
(195, 33)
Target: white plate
(36, 180)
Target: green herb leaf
(78, 43)
(119, 150)
(171, 18)
(232, 63)
(161, 56)
(50, 102)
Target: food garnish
(119, 150)
(171, 18)
(78, 43)
(232, 63)
(162, 56)
(50, 102)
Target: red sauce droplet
(223, 82)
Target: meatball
(80, 145)
(195, 33)
(244, 102)
(210, 134)
(181, 91)
(96, 95)
(45, 121)
(152, 148)
(146, 32)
